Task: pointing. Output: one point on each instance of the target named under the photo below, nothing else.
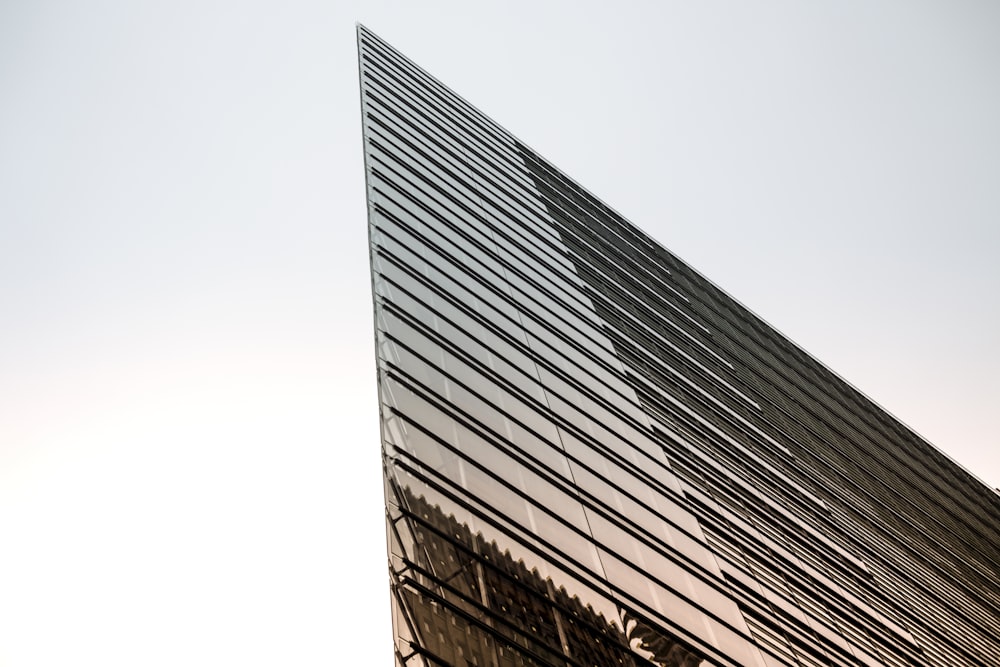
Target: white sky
(189, 468)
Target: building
(593, 456)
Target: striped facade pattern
(593, 456)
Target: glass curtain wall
(593, 456)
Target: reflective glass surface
(595, 457)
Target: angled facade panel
(593, 456)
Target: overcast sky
(189, 467)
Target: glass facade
(595, 457)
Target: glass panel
(624, 467)
(678, 611)
(508, 591)
(655, 565)
(645, 518)
(498, 503)
(429, 345)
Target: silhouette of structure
(595, 457)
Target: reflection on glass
(462, 599)
(659, 647)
